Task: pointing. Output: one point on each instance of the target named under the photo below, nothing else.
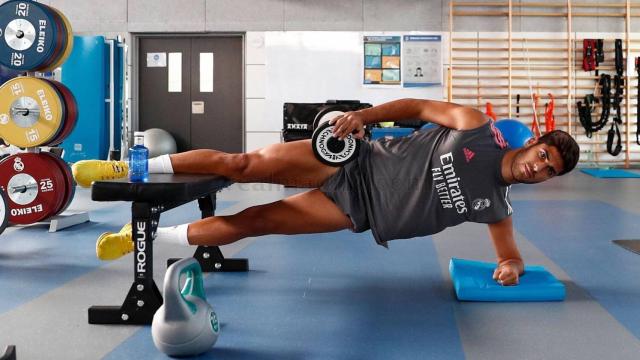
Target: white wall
(257, 133)
(316, 66)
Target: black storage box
(298, 117)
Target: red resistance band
(535, 125)
(490, 112)
(589, 54)
(549, 119)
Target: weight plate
(7, 74)
(64, 115)
(68, 174)
(323, 117)
(57, 170)
(35, 187)
(28, 34)
(331, 150)
(328, 113)
(70, 186)
(31, 112)
(69, 41)
(4, 211)
(71, 112)
(61, 40)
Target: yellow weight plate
(31, 112)
(67, 50)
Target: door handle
(197, 107)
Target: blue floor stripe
(328, 296)
(577, 236)
(34, 261)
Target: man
(398, 188)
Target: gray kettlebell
(185, 324)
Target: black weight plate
(4, 211)
(28, 35)
(332, 151)
(328, 113)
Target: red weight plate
(71, 112)
(57, 170)
(35, 187)
(61, 40)
(70, 187)
(71, 183)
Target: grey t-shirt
(431, 180)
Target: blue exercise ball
(514, 132)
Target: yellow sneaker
(112, 246)
(87, 171)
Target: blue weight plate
(28, 35)
(61, 41)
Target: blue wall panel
(86, 75)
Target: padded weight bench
(9, 353)
(161, 193)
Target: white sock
(160, 165)
(173, 235)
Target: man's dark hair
(566, 145)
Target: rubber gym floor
(340, 296)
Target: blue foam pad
(610, 173)
(473, 281)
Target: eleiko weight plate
(71, 112)
(31, 112)
(70, 186)
(63, 108)
(61, 40)
(28, 35)
(69, 38)
(35, 187)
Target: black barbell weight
(326, 115)
(4, 211)
(327, 148)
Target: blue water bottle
(138, 159)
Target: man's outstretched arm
(510, 264)
(446, 114)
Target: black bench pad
(161, 188)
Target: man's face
(536, 163)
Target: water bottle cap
(138, 138)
